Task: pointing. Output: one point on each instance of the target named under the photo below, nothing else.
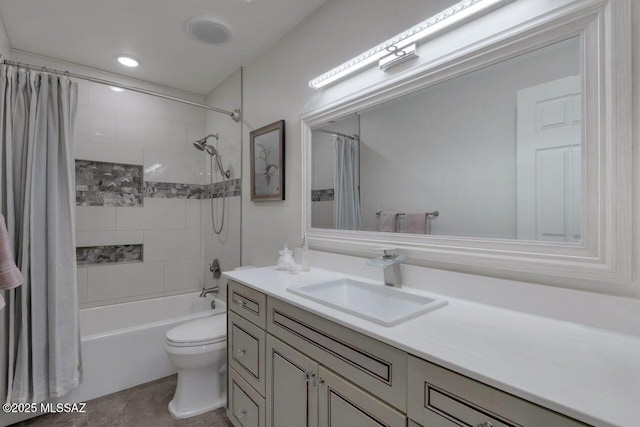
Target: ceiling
(95, 32)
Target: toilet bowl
(198, 350)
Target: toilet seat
(208, 330)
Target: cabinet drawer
(376, 367)
(246, 406)
(248, 303)
(246, 351)
(439, 397)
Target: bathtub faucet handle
(214, 267)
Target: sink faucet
(390, 263)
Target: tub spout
(207, 291)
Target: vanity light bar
(456, 14)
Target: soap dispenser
(286, 258)
(304, 256)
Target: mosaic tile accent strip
(108, 254)
(108, 184)
(322, 195)
(172, 190)
(233, 186)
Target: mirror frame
(603, 261)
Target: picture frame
(267, 162)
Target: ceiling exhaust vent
(208, 31)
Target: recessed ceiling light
(116, 89)
(208, 31)
(128, 61)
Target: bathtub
(123, 344)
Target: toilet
(198, 350)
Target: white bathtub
(123, 344)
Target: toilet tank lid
(206, 329)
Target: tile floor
(141, 406)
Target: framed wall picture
(267, 162)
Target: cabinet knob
(318, 382)
(485, 424)
(308, 376)
(241, 413)
(241, 352)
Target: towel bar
(433, 214)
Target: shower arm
(211, 135)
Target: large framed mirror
(508, 157)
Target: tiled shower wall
(128, 128)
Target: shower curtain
(346, 175)
(41, 348)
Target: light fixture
(399, 48)
(116, 89)
(128, 61)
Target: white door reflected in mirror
(550, 161)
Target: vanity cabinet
(291, 368)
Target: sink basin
(380, 304)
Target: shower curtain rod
(235, 114)
(355, 137)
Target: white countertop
(585, 373)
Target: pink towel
(416, 223)
(10, 276)
(387, 221)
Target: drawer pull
(308, 376)
(485, 424)
(241, 413)
(242, 352)
(239, 302)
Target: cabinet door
(292, 398)
(341, 404)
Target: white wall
(138, 129)
(276, 87)
(5, 46)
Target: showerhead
(200, 144)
